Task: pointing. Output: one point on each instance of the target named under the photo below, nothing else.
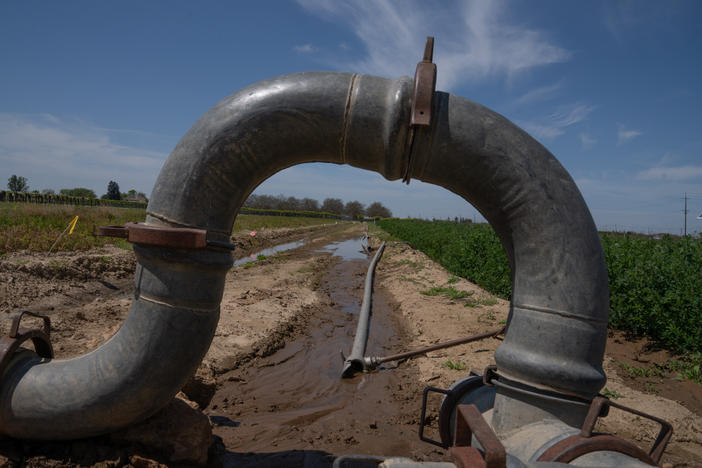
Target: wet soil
(294, 404)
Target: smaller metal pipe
(372, 362)
(354, 362)
(447, 344)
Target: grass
(35, 227)
(27, 226)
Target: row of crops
(655, 284)
(53, 199)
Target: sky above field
(98, 91)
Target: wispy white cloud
(542, 93)
(672, 173)
(555, 124)
(476, 40)
(63, 153)
(586, 140)
(625, 135)
(305, 48)
(541, 131)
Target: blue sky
(94, 91)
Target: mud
(295, 404)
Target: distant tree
(354, 209)
(309, 204)
(78, 192)
(135, 196)
(288, 203)
(377, 210)
(48, 191)
(17, 184)
(113, 191)
(333, 205)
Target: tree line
(20, 184)
(354, 208)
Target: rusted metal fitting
(424, 87)
(586, 442)
(40, 338)
(469, 423)
(422, 100)
(178, 238)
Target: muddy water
(267, 252)
(293, 409)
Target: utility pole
(685, 215)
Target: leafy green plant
(654, 284)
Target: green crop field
(655, 284)
(35, 227)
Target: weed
(261, 257)
(453, 280)
(611, 394)
(490, 315)
(688, 367)
(636, 371)
(450, 292)
(454, 365)
(411, 280)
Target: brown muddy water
(293, 409)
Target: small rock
(179, 431)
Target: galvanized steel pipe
(556, 330)
(355, 361)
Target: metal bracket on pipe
(40, 338)
(179, 238)
(422, 100)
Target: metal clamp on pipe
(422, 100)
(40, 338)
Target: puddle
(348, 250)
(294, 404)
(268, 252)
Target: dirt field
(269, 385)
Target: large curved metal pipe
(556, 332)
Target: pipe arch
(557, 326)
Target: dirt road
(269, 383)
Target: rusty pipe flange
(585, 442)
(570, 448)
(40, 338)
(159, 236)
